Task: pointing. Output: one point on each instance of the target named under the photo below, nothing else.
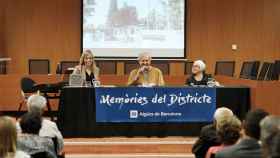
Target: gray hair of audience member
(230, 119)
(271, 145)
(222, 113)
(145, 54)
(228, 130)
(36, 103)
(269, 125)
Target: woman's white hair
(36, 103)
(201, 64)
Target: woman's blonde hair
(8, 136)
(86, 53)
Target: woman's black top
(90, 77)
(191, 81)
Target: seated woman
(87, 67)
(30, 141)
(8, 140)
(228, 131)
(199, 77)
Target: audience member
(30, 141)
(37, 104)
(8, 140)
(248, 147)
(273, 149)
(208, 135)
(228, 131)
(270, 125)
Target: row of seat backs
(42, 66)
(249, 70)
(255, 71)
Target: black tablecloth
(76, 116)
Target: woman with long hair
(87, 67)
(8, 140)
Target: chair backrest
(64, 65)
(271, 72)
(39, 66)
(277, 69)
(162, 65)
(188, 67)
(264, 70)
(40, 155)
(250, 70)
(27, 85)
(107, 66)
(55, 142)
(225, 68)
(129, 66)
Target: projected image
(127, 27)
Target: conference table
(77, 115)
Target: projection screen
(125, 28)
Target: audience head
(252, 123)
(31, 123)
(36, 104)
(8, 136)
(222, 114)
(271, 145)
(228, 130)
(269, 125)
(275, 145)
(87, 58)
(144, 59)
(198, 67)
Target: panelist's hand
(78, 68)
(140, 70)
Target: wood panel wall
(51, 29)
(214, 25)
(2, 43)
(41, 29)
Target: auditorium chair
(42, 154)
(263, 73)
(277, 69)
(271, 74)
(225, 68)
(64, 66)
(39, 66)
(249, 70)
(55, 143)
(29, 87)
(188, 67)
(107, 67)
